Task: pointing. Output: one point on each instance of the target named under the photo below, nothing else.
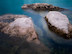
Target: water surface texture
(57, 44)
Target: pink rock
(59, 23)
(42, 7)
(21, 34)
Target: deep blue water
(57, 44)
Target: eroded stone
(42, 7)
(59, 23)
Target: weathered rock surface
(42, 6)
(19, 36)
(59, 23)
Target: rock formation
(41, 7)
(59, 23)
(19, 36)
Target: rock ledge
(42, 7)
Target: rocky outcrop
(59, 23)
(20, 36)
(42, 7)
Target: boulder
(59, 23)
(19, 36)
(42, 7)
(20, 27)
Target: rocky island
(59, 23)
(42, 7)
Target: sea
(56, 43)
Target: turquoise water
(57, 45)
(14, 6)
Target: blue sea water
(14, 6)
(57, 45)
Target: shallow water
(57, 44)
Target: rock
(70, 30)
(41, 7)
(2, 25)
(21, 35)
(20, 27)
(59, 23)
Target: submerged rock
(59, 23)
(42, 6)
(20, 36)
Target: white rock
(22, 22)
(58, 20)
(21, 27)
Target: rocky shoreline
(20, 33)
(42, 7)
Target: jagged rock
(42, 6)
(21, 35)
(59, 23)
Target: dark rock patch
(42, 7)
